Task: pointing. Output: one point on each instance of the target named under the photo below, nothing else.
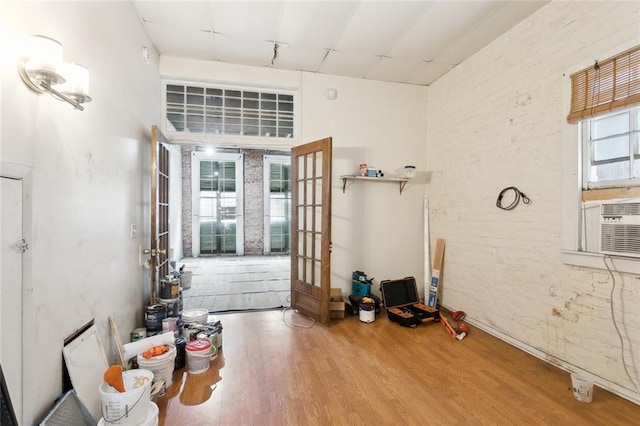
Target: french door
(311, 229)
(217, 209)
(159, 247)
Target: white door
(277, 204)
(217, 203)
(11, 289)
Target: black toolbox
(400, 299)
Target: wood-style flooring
(271, 372)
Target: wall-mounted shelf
(401, 181)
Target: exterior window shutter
(606, 86)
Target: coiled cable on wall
(518, 195)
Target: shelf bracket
(344, 184)
(402, 184)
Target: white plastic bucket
(151, 420)
(131, 406)
(161, 366)
(198, 363)
(582, 387)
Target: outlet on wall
(133, 232)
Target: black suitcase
(400, 299)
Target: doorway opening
(236, 219)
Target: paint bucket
(582, 387)
(211, 336)
(198, 356)
(185, 279)
(152, 416)
(138, 334)
(169, 324)
(154, 316)
(174, 307)
(169, 288)
(161, 365)
(131, 406)
(367, 312)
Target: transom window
(611, 152)
(216, 110)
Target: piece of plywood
(86, 361)
(438, 260)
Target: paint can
(174, 306)
(154, 316)
(367, 312)
(169, 324)
(181, 344)
(138, 334)
(169, 287)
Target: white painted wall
(375, 229)
(495, 121)
(88, 181)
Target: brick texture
(496, 121)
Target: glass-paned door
(217, 204)
(277, 204)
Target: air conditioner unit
(620, 229)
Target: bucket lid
(198, 345)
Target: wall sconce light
(42, 70)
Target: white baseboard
(561, 364)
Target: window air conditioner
(620, 229)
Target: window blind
(606, 86)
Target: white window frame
(196, 157)
(572, 249)
(587, 151)
(241, 141)
(267, 160)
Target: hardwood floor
(354, 373)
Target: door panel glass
(279, 207)
(218, 204)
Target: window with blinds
(214, 110)
(606, 86)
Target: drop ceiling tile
(185, 44)
(292, 58)
(376, 26)
(393, 69)
(243, 51)
(439, 27)
(312, 24)
(181, 14)
(350, 65)
(428, 73)
(247, 19)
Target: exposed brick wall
(495, 121)
(253, 198)
(253, 202)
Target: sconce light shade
(42, 70)
(43, 60)
(76, 85)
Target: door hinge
(21, 246)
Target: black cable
(518, 196)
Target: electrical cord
(615, 324)
(295, 324)
(518, 195)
